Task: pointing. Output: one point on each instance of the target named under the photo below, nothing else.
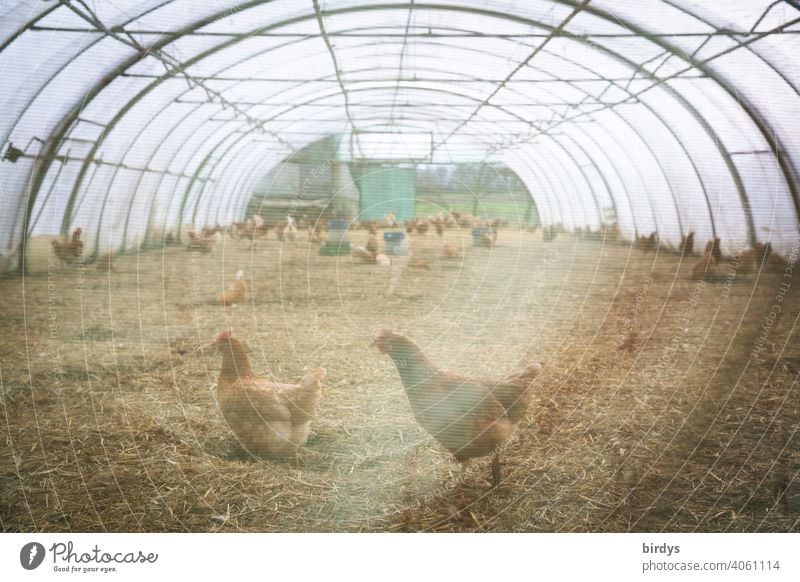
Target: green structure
(386, 189)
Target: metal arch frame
(225, 159)
(106, 130)
(553, 31)
(523, 159)
(214, 205)
(236, 204)
(749, 110)
(60, 127)
(531, 162)
(603, 178)
(153, 153)
(792, 178)
(102, 213)
(416, 89)
(559, 161)
(155, 115)
(709, 73)
(668, 127)
(681, 144)
(788, 173)
(527, 174)
(586, 180)
(667, 181)
(232, 140)
(548, 177)
(150, 158)
(460, 95)
(522, 120)
(228, 143)
(505, 16)
(402, 59)
(625, 151)
(706, 70)
(178, 149)
(644, 141)
(613, 166)
(698, 117)
(336, 69)
(42, 164)
(421, 89)
(175, 154)
(229, 165)
(723, 84)
(665, 175)
(228, 131)
(177, 35)
(112, 178)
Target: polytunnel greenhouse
(241, 242)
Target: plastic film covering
(130, 119)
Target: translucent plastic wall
(135, 117)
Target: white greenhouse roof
(137, 116)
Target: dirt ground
(665, 404)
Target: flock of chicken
(288, 230)
(712, 266)
(469, 417)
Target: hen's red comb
(225, 335)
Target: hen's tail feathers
(313, 378)
(515, 392)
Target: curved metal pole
(669, 128)
(424, 6)
(553, 164)
(533, 167)
(358, 90)
(711, 74)
(610, 161)
(236, 153)
(538, 195)
(241, 192)
(611, 195)
(790, 173)
(588, 182)
(150, 159)
(53, 143)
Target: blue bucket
(477, 235)
(338, 224)
(393, 240)
(337, 232)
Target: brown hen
(236, 291)
(468, 416)
(270, 419)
